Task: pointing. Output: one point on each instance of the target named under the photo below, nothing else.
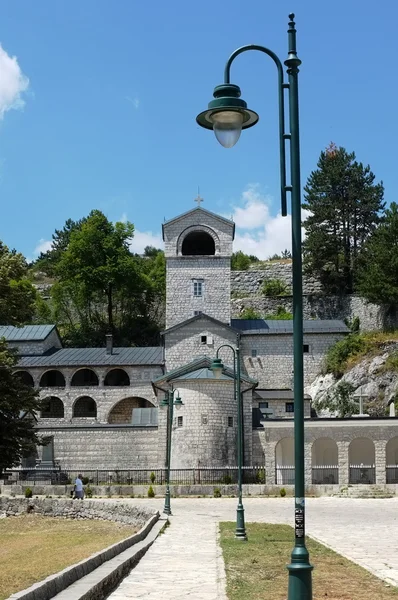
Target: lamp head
(165, 401)
(227, 115)
(217, 368)
(178, 402)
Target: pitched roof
(197, 318)
(28, 333)
(203, 373)
(271, 327)
(199, 210)
(95, 357)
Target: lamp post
(169, 402)
(227, 115)
(217, 368)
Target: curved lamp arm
(282, 134)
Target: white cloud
(42, 246)
(12, 83)
(259, 232)
(134, 101)
(142, 239)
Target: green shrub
(151, 492)
(85, 480)
(281, 315)
(88, 491)
(391, 363)
(28, 493)
(338, 354)
(274, 287)
(282, 492)
(152, 477)
(227, 479)
(260, 476)
(217, 492)
(250, 313)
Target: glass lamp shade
(178, 402)
(227, 126)
(217, 368)
(165, 401)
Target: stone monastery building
(102, 404)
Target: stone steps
(363, 491)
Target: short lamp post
(169, 402)
(217, 368)
(227, 115)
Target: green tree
(48, 261)
(18, 405)
(378, 274)
(102, 287)
(344, 203)
(340, 401)
(241, 261)
(17, 294)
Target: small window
(262, 405)
(289, 407)
(230, 421)
(179, 421)
(306, 348)
(203, 339)
(204, 419)
(197, 312)
(254, 353)
(197, 288)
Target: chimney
(109, 343)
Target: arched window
(85, 407)
(325, 461)
(284, 461)
(122, 412)
(84, 378)
(52, 378)
(361, 456)
(25, 377)
(52, 408)
(198, 243)
(392, 460)
(117, 377)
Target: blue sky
(98, 109)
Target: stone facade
(245, 283)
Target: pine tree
(344, 204)
(378, 274)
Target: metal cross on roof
(198, 199)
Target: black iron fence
(284, 475)
(327, 475)
(365, 474)
(392, 474)
(222, 476)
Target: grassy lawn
(257, 569)
(33, 547)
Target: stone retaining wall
(75, 509)
(250, 282)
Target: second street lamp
(227, 115)
(217, 368)
(169, 403)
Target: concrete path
(185, 562)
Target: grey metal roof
(203, 373)
(271, 327)
(277, 395)
(28, 333)
(95, 357)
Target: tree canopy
(378, 274)
(241, 261)
(344, 203)
(17, 294)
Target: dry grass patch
(256, 569)
(33, 547)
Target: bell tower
(198, 250)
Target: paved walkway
(185, 562)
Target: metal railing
(221, 476)
(327, 475)
(392, 474)
(284, 475)
(365, 474)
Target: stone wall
(105, 447)
(35, 348)
(250, 282)
(273, 365)
(106, 511)
(371, 316)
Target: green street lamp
(169, 402)
(227, 115)
(217, 368)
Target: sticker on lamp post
(299, 522)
